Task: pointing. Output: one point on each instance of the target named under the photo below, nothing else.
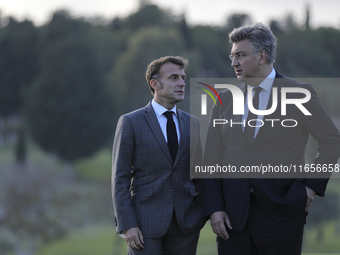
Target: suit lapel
(153, 123)
(278, 82)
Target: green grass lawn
(92, 240)
(99, 239)
(97, 167)
(330, 243)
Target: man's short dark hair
(260, 36)
(152, 72)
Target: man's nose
(182, 82)
(234, 62)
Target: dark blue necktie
(171, 135)
(248, 130)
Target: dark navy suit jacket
(282, 198)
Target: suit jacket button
(170, 190)
(249, 154)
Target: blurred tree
(322, 211)
(61, 27)
(116, 23)
(107, 45)
(69, 111)
(20, 148)
(143, 3)
(275, 26)
(289, 23)
(185, 32)
(148, 15)
(41, 202)
(1, 20)
(307, 26)
(212, 44)
(19, 64)
(238, 20)
(37, 205)
(127, 82)
(310, 53)
(6, 246)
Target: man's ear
(263, 57)
(155, 84)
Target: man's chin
(241, 78)
(179, 99)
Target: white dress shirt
(264, 95)
(162, 120)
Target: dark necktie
(171, 135)
(248, 130)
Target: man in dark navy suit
(261, 215)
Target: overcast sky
(212, 12)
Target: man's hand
(134, 238)
(310, 197)
(218, 221)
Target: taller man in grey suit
(157, 205)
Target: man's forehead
(241, 46)
(170, 68)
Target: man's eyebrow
(241, 51)
(175, 74)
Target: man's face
(246, 60)
(172, 85)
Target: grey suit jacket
(147, 187)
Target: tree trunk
(320, 233)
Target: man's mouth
(238, 72)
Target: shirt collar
(159, 109)
(267, 83)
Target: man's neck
(262, 75)
(168, 106)
(163, 103)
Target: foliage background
(63, 86)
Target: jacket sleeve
(213, 199)
(197, 154)
(122, 163)
(322, 128)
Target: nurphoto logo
(238, 99)
(230, 112)
(204, 97)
